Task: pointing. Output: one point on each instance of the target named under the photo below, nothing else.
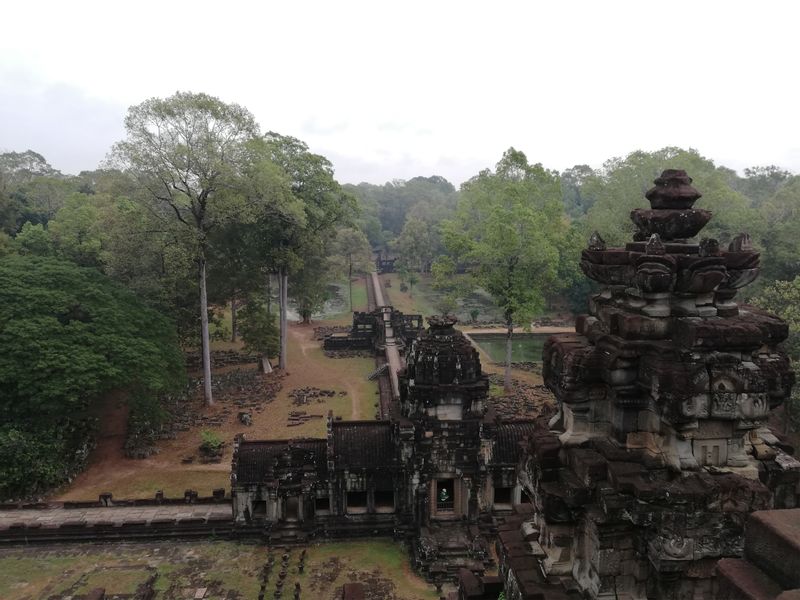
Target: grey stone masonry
(60, 517)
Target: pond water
(336, 304)
(525, 347)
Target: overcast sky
(390, 90)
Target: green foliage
(33, 461)
(783, 299)
(417, 244)
(68, 335)
(210, 440)
(782, 244)
(507, 229)
(385, 208)
(146, 418)
(258, 329)
(34, 240)
(620, 187)
(78, 230)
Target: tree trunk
(206, 345)
(283, 284)
(269, 293)
(350, 279)
(509, 333)
(234, 329)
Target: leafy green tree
(258, 329)
(622, 183)
(783, 299)
(68, 335)
(34, 240)
(506, 229)
(308, 285)
(300, 235)
(78, 229)
(187, 154)
(782, 243)
(351, 254)
(416, 245)
(25, 166)
(430, 199)
(761, 183)
(573, 181)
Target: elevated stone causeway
(121, 522)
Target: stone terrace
(57, 517)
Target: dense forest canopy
(108, 274)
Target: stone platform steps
(442, 550)
(770, 569)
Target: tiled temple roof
(255, 458)
(507, 438)
(363, 444)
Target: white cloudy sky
(396, 89)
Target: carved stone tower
(660, 448)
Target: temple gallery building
(436, 471)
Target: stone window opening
(259, 509)
(445, 496)
(384, 501)
(322, 505)
(356, 503)
(502, 498)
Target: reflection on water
(525, 347)
(336, 304)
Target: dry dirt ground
(110, 470)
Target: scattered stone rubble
(320, 333)
(304, 396)
(525, 401)
(235, 392)
(219, 359)
(349, 353)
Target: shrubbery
(68, 334)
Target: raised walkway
(392, 353)
(58, 516)
(47, 524)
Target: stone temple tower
(443, 403)
(659, 450)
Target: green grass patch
(228, 569)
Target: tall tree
(506, 229)
(297, 237)
(351, 253)
(416, 246)
(188, 153)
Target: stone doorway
(291, 511)
(445, 498)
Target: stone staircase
(441, 550)
(770, 568)
(378, 372)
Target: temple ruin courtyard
(225, 570)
